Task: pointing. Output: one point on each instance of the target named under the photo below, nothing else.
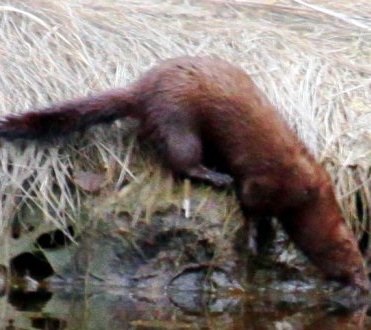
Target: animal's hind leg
(183, 154)
(203, 173)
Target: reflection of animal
(190, 105)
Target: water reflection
(114, 308)
(29, 301)
(341, 320)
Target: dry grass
(311, 57)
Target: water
(290, 307)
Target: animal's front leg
(260, 233)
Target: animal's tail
(71, 116)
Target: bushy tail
(67, 117)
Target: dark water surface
(285, 308)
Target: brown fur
(190, 106)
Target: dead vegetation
(311, 57)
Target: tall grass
(312, 59)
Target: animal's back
(220, 103)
